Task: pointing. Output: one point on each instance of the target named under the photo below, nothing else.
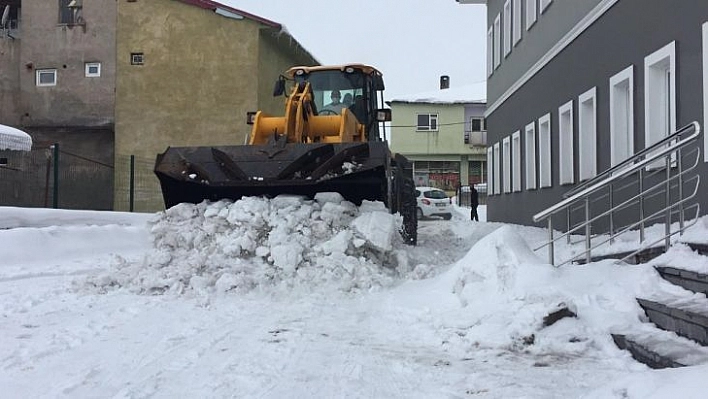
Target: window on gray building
(70, 12)
(477, 125)
(46, 77)
(427, 122)
(93, 69)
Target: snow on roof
(467, 94)
(14, 139)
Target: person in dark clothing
(474, 202)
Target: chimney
(444, 82)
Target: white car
(433, 202)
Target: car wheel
(419, 213)
(447, 216)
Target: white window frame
(50, 71)
(506, 159)
(516, 17)
(565, 143)
(490, 51)
(530, 155)
(497, 41)
(656, 65)
(137, 58)
(530, 13)
(431, 117)
(705, 90)
(516, 161)
(87, 69)
(543, 4)
(482, 128)
(544, 152)
(497, 171)
(622, 115)
(587, 135)
(490, 171)
(507, 27)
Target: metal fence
(51, 177)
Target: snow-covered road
(463, 321)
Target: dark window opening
(136, 59)
(70, 12)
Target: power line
(439, 124)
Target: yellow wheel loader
(314, 147)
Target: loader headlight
(349, 70)
(299, 72)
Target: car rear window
(435, 194)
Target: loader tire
(409, 213)
(404, 199)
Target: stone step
(687, 319)
(644, 255)
(661, 349)
(698, 247)
(641, 257)
(689, 280)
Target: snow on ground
(288, 298)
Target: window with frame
(137, 59)
(92, 69)
(622, 116)
(530, 155)
(490, 171)
(516, 161)
(70, 12)
(497, 169)
(565, 143)
(506, 158)
(516, 21)
(507, 27)
(427, 122)
(490, 51)
(46, 77)
(544, 151)
(477, 124)
(497, 41)
(530, 13)
(587, 135)
(660, 94)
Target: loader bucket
(358, 171)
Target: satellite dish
(5, 16)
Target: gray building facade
(57, 83)
(561, 74)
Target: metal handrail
(670, 148)
(633, 158)
(652, 216)
(631, 200)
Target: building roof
(14, 139)
(231, 12)
(475, 93)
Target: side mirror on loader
(383, 115)
(279, 88)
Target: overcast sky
(412, 42)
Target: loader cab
(362, 84)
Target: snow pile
(508, 294)
(256, 243)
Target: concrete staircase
(680, 335)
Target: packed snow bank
(507, 292)
(15, 217)
(257, 243)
